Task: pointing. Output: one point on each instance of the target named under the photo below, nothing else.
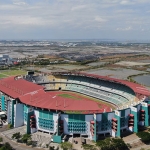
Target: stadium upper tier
(118, 92)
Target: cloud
(127, 2)
(76, 16)
(124, 29)
(100, 19)
(77, 8)
(19, 2)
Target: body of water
(143, 79)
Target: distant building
(5, 60)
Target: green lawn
(2, 76)
(13, 72)
(65, 95)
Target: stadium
(74, 104)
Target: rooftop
(15, 87)
(52, 100)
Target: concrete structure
(26, 101)
(6, 60)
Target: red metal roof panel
(14, 88)
(51, 100)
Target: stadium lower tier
(115, 93)
(108, 96)
(61, 123)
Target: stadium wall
(59, 122)
(103, 121)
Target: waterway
(143, 79)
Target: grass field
(65, 95)
(3, 76)
(7, 73)
(100, 102)
(78, 96)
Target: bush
(6, 146)
(51, 148)
(66, 146)
(16, 136)
(129, 146)
(89, 147)
(10, 126)
(148, 129)
(145, 136)
(25, 138)
(1, 139)
(112, 144)
(29, 142)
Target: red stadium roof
(52, 100)
(16, 87)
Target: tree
(145, 136)
(66, 146)
(25, 138)
(6, 146)
(16, 136)
(112, 144)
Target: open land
(7, 73)
(115, 59)
(129, 63)
(119, 73)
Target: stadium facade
(31, 100)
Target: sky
(75, 19)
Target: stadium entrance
(76, 135)
(103, 136)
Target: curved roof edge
(52, 101)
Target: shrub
(145, 136)
(66, 146)
(29, 142)
(129, 146)
(89, 147)
(6, 146)
(25, 138)
(1, 139)
(112, 144)
(51, 148)
(16, 136)
(10, 126)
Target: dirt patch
(129, 63)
